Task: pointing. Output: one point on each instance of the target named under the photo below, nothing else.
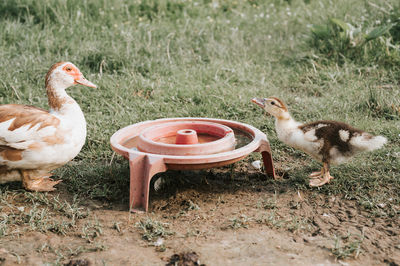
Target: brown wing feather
(331, 136)
(10, 154)
(26, 115)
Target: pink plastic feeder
(184, 144)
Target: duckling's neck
(286, 122)
(285, 125)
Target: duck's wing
(315, 131)
(341, 140)
(332, 131)
(24, 127)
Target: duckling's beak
(260, 102)
(81, 80)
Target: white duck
(329, 142)
(34, 141)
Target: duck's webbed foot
(38, 181)
(320, 178)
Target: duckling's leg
(35, 180)
(324, 178)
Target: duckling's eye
(272, 103)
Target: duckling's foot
(42, 183)
(314, 175)
(317, 182)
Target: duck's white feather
(366, 142)
(24, 136)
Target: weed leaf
(321, 31)
(377, 32)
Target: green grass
(155, 59)
(21, 212)
(347, 246)
(238, 222)
(152, 229)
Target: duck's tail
(367, 142)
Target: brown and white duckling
(34, 141)
(329, 142)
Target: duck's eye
(272, 103)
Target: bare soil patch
(205, 217)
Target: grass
(152, 229)
(238, 222)
(292, 224)
(270, 203)
(91, 230)
(37, 212)
(347, 246)
(67, 252)
(174, 58)
(371, 40)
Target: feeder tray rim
(257, 135)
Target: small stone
(256, 164)
(159, 242)
(158, 184)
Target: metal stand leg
(142, 169)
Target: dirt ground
(210, 218)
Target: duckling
(34, 141)
(329, 142)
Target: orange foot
(42, 184)
(318, 181)
(39, 181)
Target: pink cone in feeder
(186, 136)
